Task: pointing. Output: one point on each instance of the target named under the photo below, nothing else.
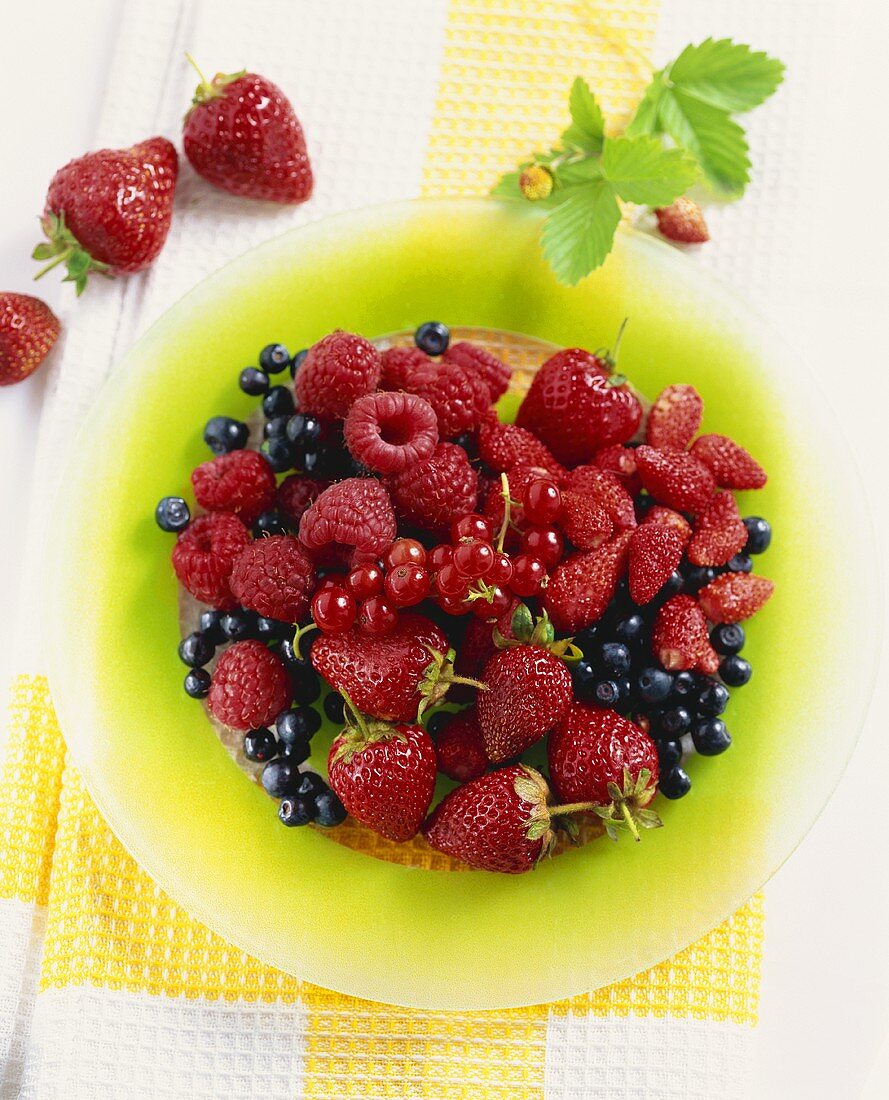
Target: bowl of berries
(452, 662)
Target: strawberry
(503, 446)
(598, 757)
(620, 462)
(682, 221)
(666, 517)
(384, 775)
(242, 134)
(28, 330)
(730, 464)
(733, 597)
(679, 638)
(605, 490)
(674, 419)
(583, 586)
(655, 551)
(528, 688)
(109, 211)
(719, 532)
(459, 748)
(678, 480)
(584, 522)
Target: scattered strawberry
(242, 134)
(583, 586)
(109, 211)
(250, 686)
(585, 523)
(274, 577)
(503, 446)
(397, 364)
(460, 398)
(605, 490)
(674, 419)
(719, 532)
(28, 330)
(679, 638)
(620, 462)
(655, 552)
(459, 747)
(682, 221)
(240, 481)
(678, 480)
(355, 513)
(336, 371)
(432, 494)
(204, 555)
(295, 494)
(388, 432)
(666, 517)
(733, 597)
(474, 359)
(730, 464)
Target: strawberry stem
(571, 808)
(507, 505)
(60, 259)
(628, 817)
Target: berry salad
(541, 619)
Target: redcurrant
(472, 526)
(438, 556)
(541, 501)
(377, 617)
(473, 559)
(333, 610)
(405, 552)
(545, 543)
(407, 584)
(365, 581)
(501, 571)
(333, 580)
(453, 605)
(528, 573)
(449, 582)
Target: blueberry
(606, 693)
(310, 784)
(629, 630)
(713, 698)
(710, 736)
(674, 783)
(585, 639)
(333, 707)
(294, 660)
(728, 638)
(310, 463)
(697, 577)
(296, 811)
(685, 685)
(273, 630)
(432, 337)
(675, 721)
(172, 514)
(274, 358)
(669, 753)
(277, 402)
(303, 429)
(613, 658)
(279, 777)
(759, 535)
(253, 381)
(644, 503)
(306, 685)
(740, 563)
(467, 442)
(223, 434)
(297, 361)
(297, 725)
(436, 723)
(296, 753)
(238, 625)
(585, 678)
(279, 453)
(625, 696)
(329, 811)
(269, 523)
(260, 745)
(735, 671)
(197, 683)
(211, 625)
(654, 685)
(196, 649)
(276, 428)
(672, 586)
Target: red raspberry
(336, 371)
(432, 494)
(492, 371)
(274, 577)
(241, 482)
(355, 513)
(398, 364)
(459, 748)
(460, 399)
(503, 446)
(295, 493)
(388, 432)
(205, 553)
(250, 686)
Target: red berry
(398, 364)
(501, 570)
(603, 489)
(356, 513)
(377, 617)
(296, 494)
(333, 580)
(450, 582)
(333, 610)
(503, 446)
(28, 330)
(541, 501)
(585, 522)
(545, 543)
(460, 398)
(336, 372)
(733, 597)
(454, 605)
(493, 609)
(405, 552)
(433, 493)
(674, 419)
(388, 432)
(731, 465)
(406, 585)
(459, 748)
(682, 221)
(475, 360)
(365, 581)
(204, 556)
(473, 559)
(274, 577)
(679, 638)
(438, 556)
(675, 478)
(528, 573)
(472, 526)
(250, 686)
(241, 482)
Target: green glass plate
(374, 929)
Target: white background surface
(825, 995)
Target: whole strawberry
(384, 775)
(459, 748)
(597, 756)
(583, 585)
(683, 221)
(109, 211)
(28, 330)
(242, 134)
(679, 638)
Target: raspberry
(459, 749)
(460, 399)
(475, 360)
(398, 364)
(250, 686)
(355, 513)
(388, 432)
(731, 465)
(434, 493)
(733, 597)
(503, 446)
(719, 532)
(584, 522)
(620, 461)
(679, 638)
(674, 419)
(204, 554)
(241, 482)
(295, 493)
(605, 490)
(336, 371)
(678, 480)
(274, 577)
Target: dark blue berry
(735, 671)
(329, 811)
(172, 514)
(467, 442)
(297, 752)
(710, 736)
(674, 783)
(294, 660)
(644, 504)
(260, 745)
(197, 683)
(654, 685)
(274, 358)
(303, 429)
(625, 697)
(273, 630)
(211, 625)
(253, 381)
(669, 753)
(432, 337)
(713, 699)
(740, 563)
(196, 649)
(697, 577)
(585, 679)
(279, 777)
(436, 723)
(297, 725)
(297, 361)
(606, 693)
(333, 707)
(310, 784)
(223, 434)
(277, 402)
(630, 630)
(728, 638)
(276, 428)
(269, 523)
(296, 811)
(279, 453)
(613, 658)
(675, 721)
(306, 685)
(759, 535)
(238, 625)
(685, 685)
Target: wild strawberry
(336, 372)
(733, 597)
(583, 586)
(242, 134)
(678, 480)
(387, 432)
(605, 490)
(241, 482)
(28, 330)
(620, 461)
(492, 371)
(731, 465)
(459, 747)
(674, 419)
(432, 494)
(503, 446)
(598, 757)
(666, 517)
(585, 523)
(460, 398)
(719, 532)
(109, 211)
(204, 556)
(682, 221)
(679, 638)
(250, 686)
(355, 513)
(274, 577)
(384, 775)
(655, 551)
(397, 364)
(295, 494)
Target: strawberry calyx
(208, 90)
(438, 676)
(608, 356)
(628, 808)
(543, 819)
(62, 247)
(540, 632)
(360, 732)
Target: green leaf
(508, 187)
(726, 74)
(587, 129)
(579, 232)
(711, 136)
(645, 121)
(641, 170)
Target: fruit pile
(575, 581)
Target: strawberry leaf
(714, 139)
(579, 232)
(726, 74)
(587, 129)
(641, 170)
(507, 187)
